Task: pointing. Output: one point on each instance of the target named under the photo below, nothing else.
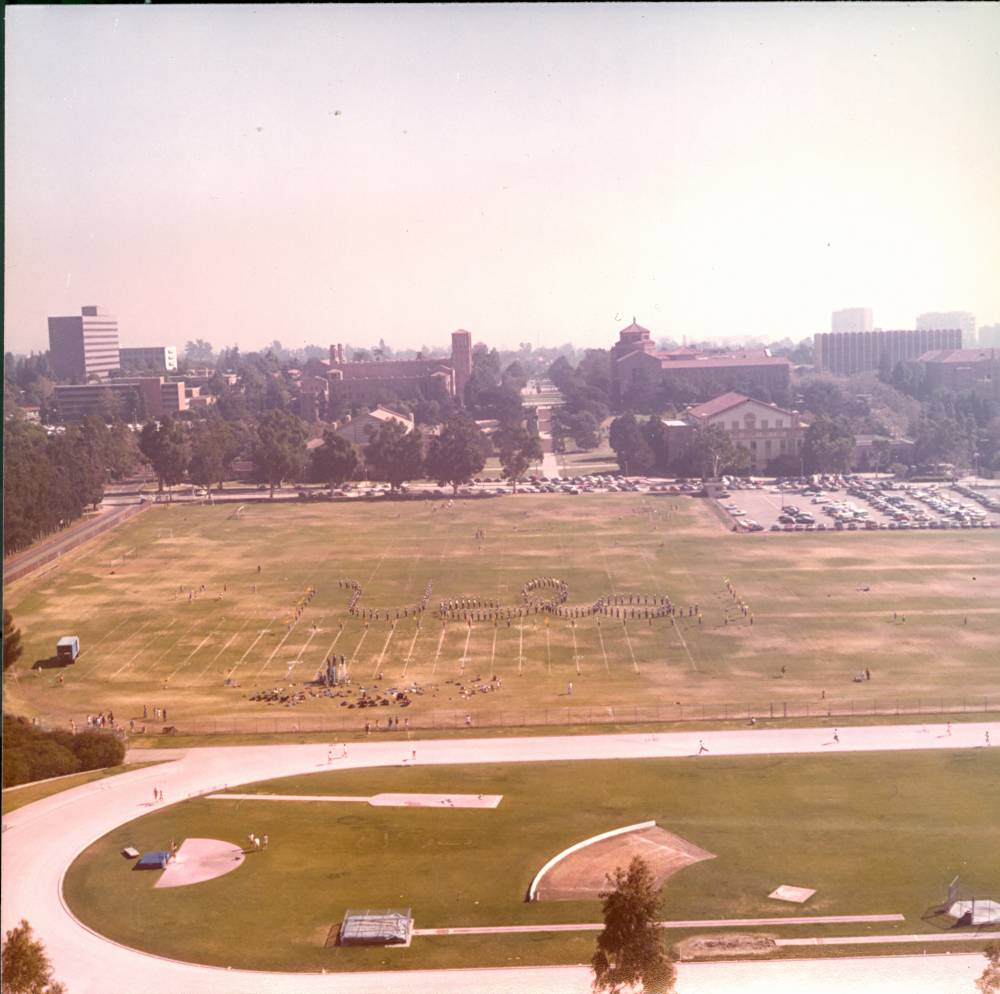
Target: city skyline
(324, 174)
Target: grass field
(145, 642)
(873, 834)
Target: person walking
(836, 736)
(266, 840)
(701, 747)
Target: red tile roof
(726, 401)
(960, 355)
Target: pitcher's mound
(198, 860)
(582, 874)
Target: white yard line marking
(173, 645)
(128, 662)
(357, 649)
(520, 647)
(194, 651)
(677, 628)
(493, 651)
(576, 654)
(465, 649)
(629, 643)
(246, 652)
(378, 664)
(409, 652)
(437, 654)
(604, 651)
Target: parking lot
(858, 505)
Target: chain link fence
(377, 718)
(29, 562)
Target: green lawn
(145, 643)
(874, 834)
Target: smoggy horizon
(320, 174)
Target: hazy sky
(532, 173)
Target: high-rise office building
(989, 336)
(946, 320)
(852, 319)
(84, 347)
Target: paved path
(42, 839)
(54, 547)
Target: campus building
(84, 347)
(766, 431)
(635, 363)
(943, 320)
(851, 319)
(384, 380)
(974, 371)
(356, 430)
(848, 353)
(153, 357)
(989, 336)
(132, 398)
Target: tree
(519, 449)
(166, 447)
(456, 454)
(12, 647)
(394, 454)
(989, 982)
(710, 451)
(199, 351)
(828, 446)
(214, 445)
(629, 950)
(25, 964)
(631, 449)
(279, 449)
(335, 461)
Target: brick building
(636, 363)
(766, 431)
(974, 371)
(131, 397)
(359, 383)
(356, 430)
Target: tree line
(277, 444)
(50, 480)
(31, 753)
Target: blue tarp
(153, 860)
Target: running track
(41, 840)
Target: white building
(766, 431)
(154, 357)
(851, 319)
(949, 320)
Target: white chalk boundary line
(385, 800)
(576, 847)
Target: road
(51, 549)
(41, 840)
